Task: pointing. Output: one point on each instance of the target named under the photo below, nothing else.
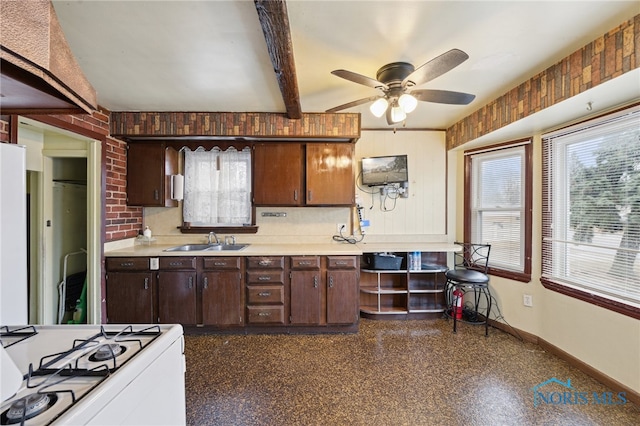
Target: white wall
(603, 339)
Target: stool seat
(467, 276)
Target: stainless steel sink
(227, 247)
(208, 247)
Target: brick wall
(121, 221)
(605, 58)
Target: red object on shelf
(457, 303)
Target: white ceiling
(211, 55)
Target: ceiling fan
(397, 78)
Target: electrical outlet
(341, 227)
(527, 300)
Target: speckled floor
(390, 373)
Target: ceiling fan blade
(443, 96)
(360, 79)
(352, 104)
(436, 67)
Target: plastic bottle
(147, 232)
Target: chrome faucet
(230, 240)
(213, 237)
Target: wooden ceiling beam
(275, 26)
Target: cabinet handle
(146, 283)
(342, 262)
(315, 282)
(220, 263)
(331, 281)
(310, 197)
(264, 293)
(175, 263)
(191, 282)
(295, 195)
(264, 278)
(264, 314)
(156, 195)
(206, 282)
(126, 263)
(304, 262)
(264, 262)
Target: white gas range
(92, 375)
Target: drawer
(168, 263)
(265, 314)
(265, 294)
(127, 264)
(305, 262)
(265, 277)
(342, 262)
(221, 262)
(265, 262)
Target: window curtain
(217, 187)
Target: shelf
(383, 310)
(384, 271)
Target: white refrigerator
(13, 235)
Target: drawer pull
(264, 278)
(175, 263)
(264, 293)
(126, 263)
(342, 262)
(264, 262)
(220, 263)
(305, 262)
(264, 314)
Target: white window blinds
(591, 207)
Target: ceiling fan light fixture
(397, 114)
(407, 102)
(379, 107)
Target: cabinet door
(330, 177)
(305, 297)
(149, 169)
(222, 298)
(177, 297)
(130, 297)
(277, 174)
(342, 297)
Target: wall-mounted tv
(383, 170)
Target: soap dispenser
(147, 232)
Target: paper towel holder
(177, 187)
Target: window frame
(527, 183)
(547, 221)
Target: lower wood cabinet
(234, 291)
(221, 281)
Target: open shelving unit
(403, 293)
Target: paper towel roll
(177, 187)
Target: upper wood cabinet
(294, 174)
(149, 169)
(330, 174)
(278, 174)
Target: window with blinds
(498, 205)
(591, 209)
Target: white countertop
(279, 249)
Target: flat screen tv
(378, 171)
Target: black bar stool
(469, 275)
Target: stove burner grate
(107, 351)
(9, 336)
(28, 407)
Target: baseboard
(615, 385)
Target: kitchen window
(591, 211)
(217, 188)
(498, 198)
